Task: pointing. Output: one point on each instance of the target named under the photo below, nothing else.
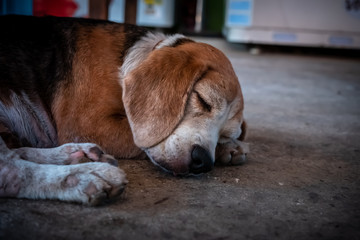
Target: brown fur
(91, 109)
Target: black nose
(201, 161)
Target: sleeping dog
(68, 86)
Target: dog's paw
(92, 183)
(87, 152)
(232, 153)
(88, 183)
(96, 182)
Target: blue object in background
(240, 19)
(240, 5)
(239, 13)
(23, 7)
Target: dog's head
(181, 102)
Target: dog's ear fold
(156, 92)
(243, 131)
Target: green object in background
(152, 2)
(214, 15)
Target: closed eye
(207, 107)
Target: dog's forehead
(220, 84)
(219, 74)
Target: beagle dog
(68, 86)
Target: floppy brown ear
(156, 92)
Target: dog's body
(122, 87)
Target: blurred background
(321, 24)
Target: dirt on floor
(302, 180)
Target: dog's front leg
(70, 153)
(87, 183)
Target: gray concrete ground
(301, 182)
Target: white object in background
(155, 13)
(320, 23)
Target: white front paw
(86, 152)
(92, 183)
(88, 183)
(232, 153)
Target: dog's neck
(142, 48)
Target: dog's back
(36, 59)
(31, 66)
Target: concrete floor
(301, 182)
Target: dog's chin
(177, 167)
(177, 172)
